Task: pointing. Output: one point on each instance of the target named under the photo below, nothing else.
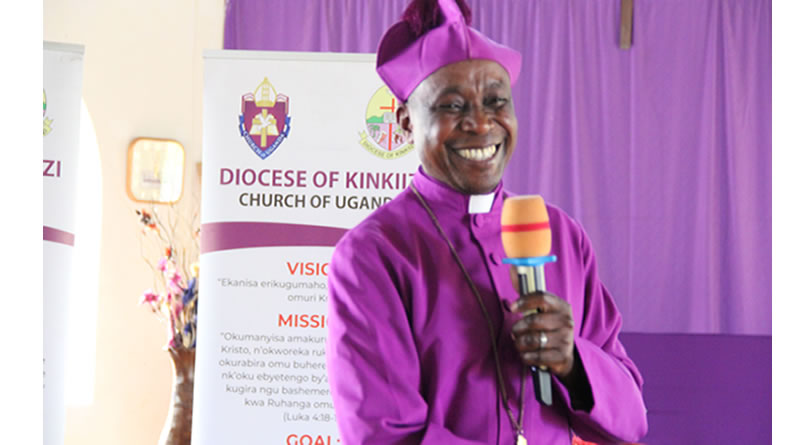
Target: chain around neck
(517, 423)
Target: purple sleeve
(618, 413)
(373, 366)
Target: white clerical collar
(481, 203)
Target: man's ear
(404, 119)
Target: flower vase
(178, 426)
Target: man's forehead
(464, 75)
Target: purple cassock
(409, 355)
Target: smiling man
(427, 342)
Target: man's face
(463, 124)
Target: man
(427, 343)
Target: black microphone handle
(531, 278)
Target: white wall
(142, 76)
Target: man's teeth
(478, 154)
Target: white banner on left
(61, 107)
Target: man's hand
(544, 336)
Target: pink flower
(177, 309)
(174, 283)
(162, 264)
(149, 297)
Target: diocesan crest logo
(264, 122)
(46, 122)
(383, 136)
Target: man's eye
(496, 102)
(455, 106)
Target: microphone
(527, 239)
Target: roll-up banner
(297, 148)
(63, 71)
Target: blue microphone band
(530, 261)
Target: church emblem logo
(264, 122)
(383, 136)
(46, 122)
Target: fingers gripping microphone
(526, 236)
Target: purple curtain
(662, 152)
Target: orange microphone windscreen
(525, 227)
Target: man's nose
(477, 121)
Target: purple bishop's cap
(432, 34)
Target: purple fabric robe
(409, 355)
